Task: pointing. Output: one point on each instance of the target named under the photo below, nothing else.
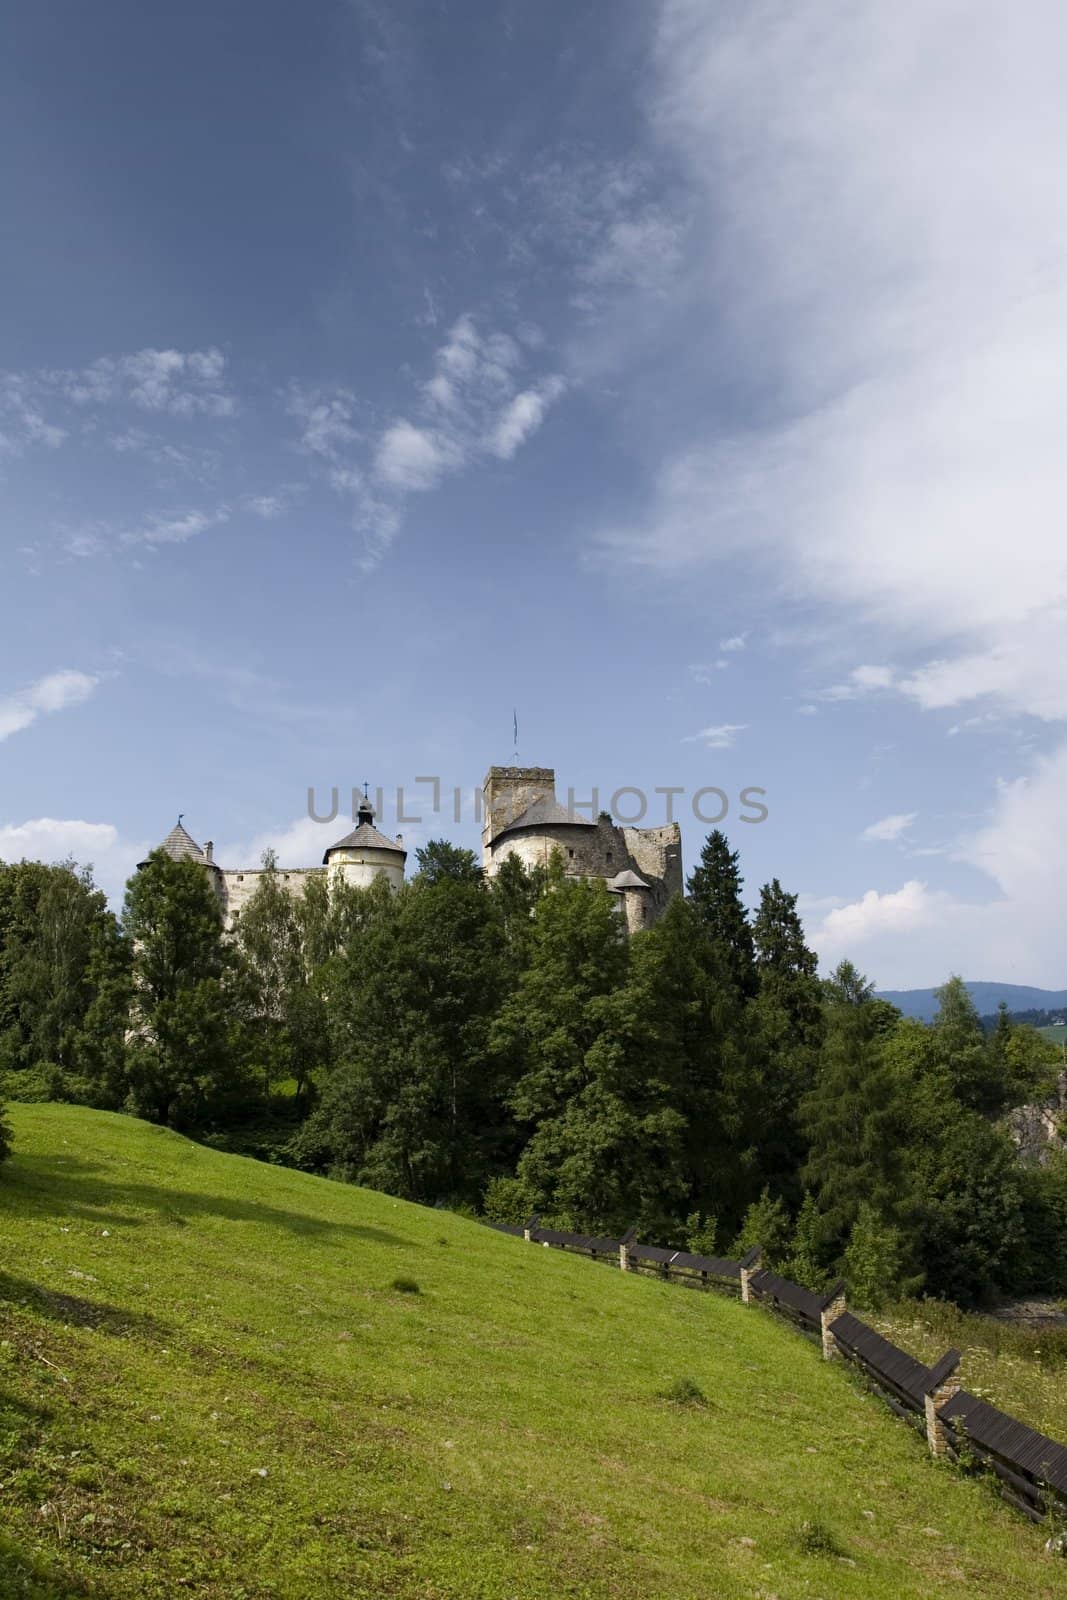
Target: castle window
(236, 916)
(240, 877)
(609, 855)
(571, 854)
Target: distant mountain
(921, 1003)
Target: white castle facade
(521, 817)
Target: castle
(521, 817)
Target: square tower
(506, 793)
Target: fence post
(941, 1384)
(749, 1265)
(834, 1305)
(624, 1249)
(528, 1227)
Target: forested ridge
(501, 1048)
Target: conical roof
(365, 836)
(180, 846)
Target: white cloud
(327, 420)
(184, 383)
(298, 844)
(176, 528)
(413, 459)
(880, 212)
(470, 408)
(862, 681)
(890, 828)
(522, 417)
(95, 844)
(913, 935)
(901, 911)
(736, 642)
(720, 737)
(55, 692)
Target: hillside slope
(922, 1003)
(211, 1385)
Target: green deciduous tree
(184, 1061)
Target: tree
(618, 1152)
(968, 1065)
(714, 889)
(5, 1135)
(807, 1259)
(285, 1006)
(874, 1262)
(766, 1223)
(577, 955)
(184, 1064)
(414, 1105)
(856, 1118)
(440, 859)
(54, 925)
(785, 1027)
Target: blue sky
(688, 378)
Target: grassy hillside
(217, 1380)
(1021, 1369)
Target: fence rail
(1032, 1468)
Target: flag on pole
(515, 718)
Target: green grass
(1021, 1369)
(211, 1385)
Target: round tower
(365, 854)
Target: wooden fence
(1031, 1468)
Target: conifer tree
(856, 1119)
(785, 1025)
(969, 1066)
(714, 889)
(765, 1223)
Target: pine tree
(714, 889)
(968, 1064)
(874, 1261)
(806, 1263)
(785, 1027)
(856, 1119)
(766, 1223)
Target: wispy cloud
(175, 527)
(184, 383)
(890, 828)
(862, 681)
(474, 405)
(720, 737)
(56, 692)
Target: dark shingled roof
(181, 847)
(547, 812)
(626, 880)
(365, 837)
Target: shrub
(815, 1538)
(684, 1392)
(406, 1286)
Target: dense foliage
(502, 1047)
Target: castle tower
(365, 854)
(507, 793)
